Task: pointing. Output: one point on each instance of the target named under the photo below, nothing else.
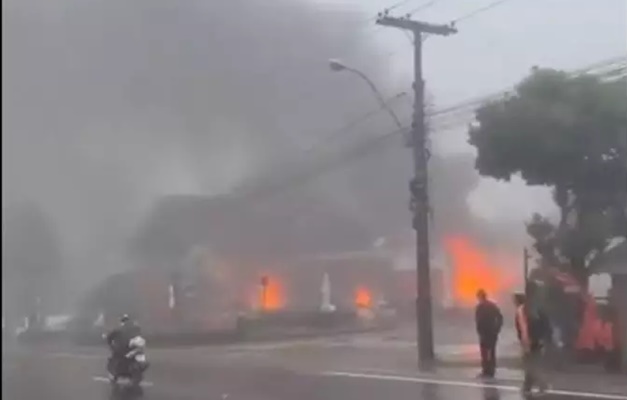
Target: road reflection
(438, 392)
(126, 393)
(491, 393)
(430, 392)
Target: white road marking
(513, 376)
(105, 379)
(399, 378)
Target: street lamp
(338, 66)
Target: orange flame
(272, 295)
(363, 298)
(473, 269)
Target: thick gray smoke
(109, 104)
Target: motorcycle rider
(118, 340)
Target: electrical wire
(422, 7)
(480, 10)
(462, 113)
(352, 124)
(397, 5)
(271, 175)
(331, 163)
(472, 14)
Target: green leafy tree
(568, 133)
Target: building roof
(285, 227)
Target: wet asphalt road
(195, 374)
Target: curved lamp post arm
(378, 96)
(337, 66)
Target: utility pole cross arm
(417, 26)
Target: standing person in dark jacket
(489, 320)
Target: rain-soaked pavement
(264, 372)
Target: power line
(397, 5)
(352, 124)
(423, 7)
(473, 14)
(609, 66)
(480, 10)
(461, 113)
(331, 163)
(335, 134)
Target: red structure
(594, 333)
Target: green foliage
(543, 231)
(568, 133)
(556, 131)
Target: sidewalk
(465, 367)
(565, 381)
(561, 385)
(459, 363)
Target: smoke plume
(110, 104)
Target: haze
(109, 105)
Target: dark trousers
(488, 355)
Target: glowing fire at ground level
(363, 297)
(470, 268)
(272, 295)
(359, 283)
(473, 268)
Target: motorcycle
(132, 366)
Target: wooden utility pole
(418, 185)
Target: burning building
(357, 280)
(201, 262)
(222, 291)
